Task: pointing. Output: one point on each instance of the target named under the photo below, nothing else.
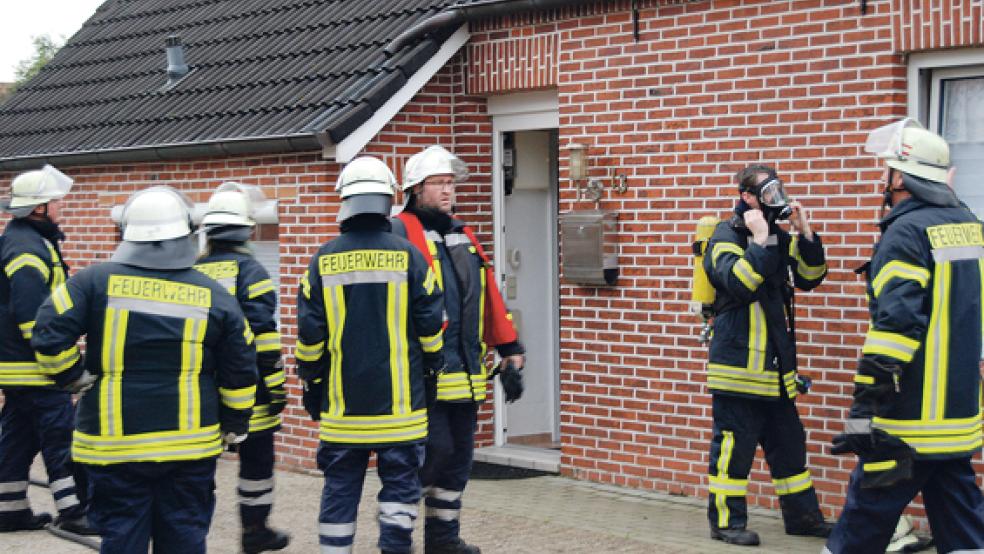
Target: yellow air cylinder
(702, 291)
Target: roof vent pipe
(176, 66)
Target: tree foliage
(45, 48)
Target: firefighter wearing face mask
(477, 318)
(36, 414)
(172, 377)
(369, 326)
(228, 225)
(752, 372)
(915, 422)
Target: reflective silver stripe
(443, 514)
(392, 508)
(430, 343)
(259, 485)
(228, 283)
(444, 495)
(364, 277)
(956, 253)
(263, 500)
(274, 379)
(207, 434)
(935, 343)
(454, 239)
(935, 443)
(399, 344)
(857, 426)
(114, 371)
(338, 435)
(153, 307)
(358, 422)
(13, 486)
(66, 502)
(14, 505)
(434, 236)
(206, 450)
(329, 549)
(334, 347)
(263, 340)
(772, 240)
(61, 484)
(336, 529)
(764, 377)
(927, 427)
(402, 521)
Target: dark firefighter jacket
(476, 313)
(925, 286)
(32, 269)
(171, 354)
(247, 280)
(752, 352)
(368, 308)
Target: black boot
(816, 529)
(809, 524)
(78, 525)
(457, 546)
(260, 538)
(30, 523)
(743, 537)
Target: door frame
(526, 111)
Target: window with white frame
(946, 93)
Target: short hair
(748, 177)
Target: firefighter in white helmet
(36, 415)
(477, 318)
(228, 225)
(174, 376)
(915, 423)
(369, 325)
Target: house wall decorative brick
(922, 25)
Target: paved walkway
(532, 515)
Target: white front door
(525, 180)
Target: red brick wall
(710, 87)
(921, 25)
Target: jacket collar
(908, 205)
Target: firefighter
(752, 371)
(369, 323)
(915, 422)
(228, 224)
(36, 414)
(172, 372)
(476, 319)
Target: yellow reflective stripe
(238, 399)
(248, 335)
(259, 288)
(794, 484)
(267, 342)
(746, 274)
(893, 345)
(896, 269)
(308, 352)
(27, 329)
(483, 291)
(189, 389)
(724, 487)
(66, 359)
(719, 383)
(402, 306)
(432, 343)
(808, 272)
(721, 248)
(111, 384)
(392, 332)
(789, 381)
(306, 285)
(864, 379)
(937, 346)
(262, 422)
(942, 436)
(374, 429)
(58, 272)
(160, 446)
(22, 374)
(334, 298)
(274, 379)
(454, 386)
(61, 299)
(430, 281)
(27, 260)
(757, 337)
(879, 466)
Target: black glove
(885, 460)
(876, 384)
(856, 438)
(278, 399)
(511, 378)
(434, 365)
(311, 398)
(232, 423)
(803, 383)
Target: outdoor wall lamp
(592, 188)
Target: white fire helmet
(33, 188)
(433, 160)
(233, 204)
(906, 146)
(366, 185)
(155, 214)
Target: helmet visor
(886, 141)
(773, 194)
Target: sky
(23, 19)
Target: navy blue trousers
(740, 425)
(32, 420)
(256, 478)
(169, 502)
(345, 472)
(450, 448)
(953, 503)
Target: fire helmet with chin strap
(34, 188)
(922, 156)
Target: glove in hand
(511, 378)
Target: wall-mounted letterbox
(589, 247)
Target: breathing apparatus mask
(772, 198)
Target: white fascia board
(355, 142)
